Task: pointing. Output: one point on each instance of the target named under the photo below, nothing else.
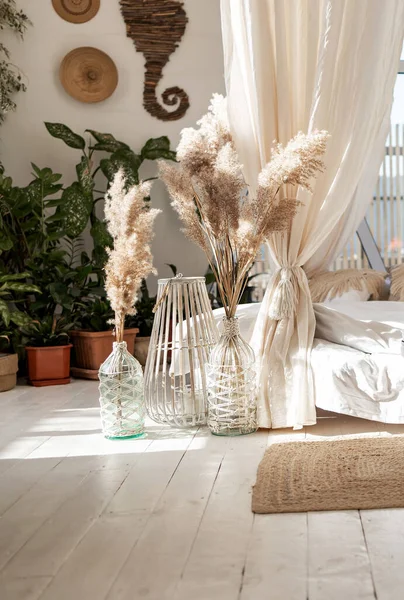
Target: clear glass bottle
(232, 402)
(121, 394)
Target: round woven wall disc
(88, 74)
(76, 11)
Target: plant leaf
(107, 142)
(5, 243)
(100, 234)
(14, 276)
(4, 312)
(62, 132)
(16, 286)
(156, 148)
(76, 210)
(173, 268)
(20, 318)
(86, 181)
(126, 160)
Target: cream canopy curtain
(295, 65)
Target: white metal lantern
(184, 331)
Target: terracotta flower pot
(48, 365)
(8, 371)
(142, 349)
(93, 347)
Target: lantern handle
(165, 290)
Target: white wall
(196, 66)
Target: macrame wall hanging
(156, 28)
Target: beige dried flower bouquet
(210, 194)
(130, 222)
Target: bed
(357, 364)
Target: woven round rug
(88, 74)
(346, 474)
(76, 11)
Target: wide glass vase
(121, 394)
(232, 402)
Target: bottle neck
(231, 327)
(119, 346)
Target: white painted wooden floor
(168, 516)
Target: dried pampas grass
(397, 283)
(335, 283)
(130, 222)
(209, 193)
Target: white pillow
(349, 296)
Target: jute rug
(331, 475)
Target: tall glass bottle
(121, 394)
(232, 403)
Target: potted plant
(13, 291)
(8, 363)
(92, 337)
(48, 351)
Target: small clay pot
(48, 365)
(92, 348)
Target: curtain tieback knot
(284, 299)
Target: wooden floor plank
(339, 565)
(276, 566)
(23, 588)
(384, 534)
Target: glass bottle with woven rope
(232, 404)
(121, 394)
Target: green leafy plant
(13, 290)
(10, 78)
(50, 331)
(13, 293)
(29, 224)
(144, 317)
(94, 314)
(79, 200)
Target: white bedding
(357, 364)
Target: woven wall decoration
(76, 11)
(156, 28)
(88, 74)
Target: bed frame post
(370, 247)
